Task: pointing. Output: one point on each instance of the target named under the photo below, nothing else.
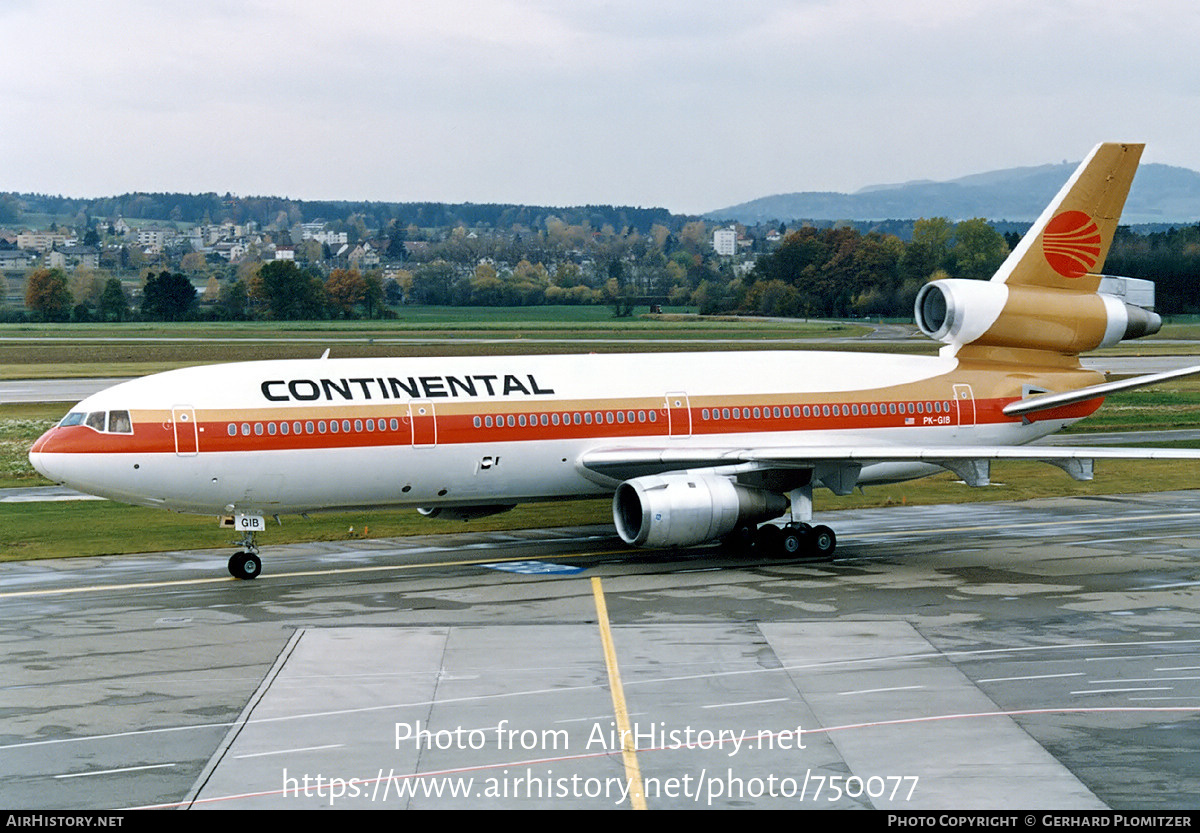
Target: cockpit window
(119, 422)
(112, 422)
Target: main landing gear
(246, 564)
(794, 540)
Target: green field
(41, 530)
(29, 351)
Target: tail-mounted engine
(665, 510)
(993, 314)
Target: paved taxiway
(1040, 654)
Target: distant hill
(267, 210)
(1160, 194)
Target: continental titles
(411, 387)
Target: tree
(372, 301)
(978, 249)
(113, 304)
(193, 262)
(345, 289)
(433, 283)
(168, 296)
(46, 294)
(288, 292)
(232, 303)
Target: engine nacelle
(991, 314)
(675, 510)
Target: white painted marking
(1122, 690)
(290, 751)
(746, 703)
(878, 690)
(1034, 677)
(1126, 658)
(1142, 680)
(113, 771)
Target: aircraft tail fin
(1042, 305)
(1066, 247)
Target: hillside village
(261, 258)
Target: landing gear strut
(246, 564)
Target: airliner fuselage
(306, 435)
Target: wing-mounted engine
(992, 314)
(680, 509)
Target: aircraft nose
(39, 459)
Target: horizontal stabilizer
(1047, 401)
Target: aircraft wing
(1047, 401)
(969, 462)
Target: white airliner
(693, 447)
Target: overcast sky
(687, 104)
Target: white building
(725, 241)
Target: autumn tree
(345, 289)
(46, 294)
(193, 262)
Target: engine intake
(676, 510)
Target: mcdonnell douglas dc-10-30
(693, 447)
